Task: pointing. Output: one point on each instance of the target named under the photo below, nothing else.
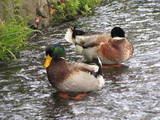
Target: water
(129, 94)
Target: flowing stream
(129, 94)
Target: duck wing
(86, 67)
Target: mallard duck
(71, 77)
(111, 48)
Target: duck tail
(69, 36)
(98, 62)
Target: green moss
(13, 35)
(69, 9)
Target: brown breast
(116, 50)
(57, 72)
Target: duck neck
(59, 60)
(118, 38)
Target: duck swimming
(113, 48)
(71, 77)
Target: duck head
(117, 32)
(54, 52)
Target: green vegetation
(69, 9)
(14, 30)
(13, 34)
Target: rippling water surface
(129, 94)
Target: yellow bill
(47, 61)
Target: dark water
(129, 94)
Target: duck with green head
(71, 77)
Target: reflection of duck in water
(55, 107)
(71, 77)
(111, 49)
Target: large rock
(36, 11)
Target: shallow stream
(129, 94)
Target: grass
(69, 9)
(14, 32)
(13, 35)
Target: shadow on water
(131, 93)
(57, 108)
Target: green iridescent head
(54, 52)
